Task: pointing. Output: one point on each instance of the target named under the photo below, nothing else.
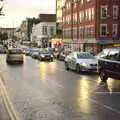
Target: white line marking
(107, 92)
(105, 106)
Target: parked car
(63, 55)
(109, 64)
(45, 55)
(81, 61)
(14, 55)
(27, 52)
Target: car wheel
(21, 62)
(7, 62)
(52, 59)
(77, 68)
(66, 66)
(103, 76)
(40, 59)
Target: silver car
(81, 61)
(14, 55)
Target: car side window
(72, 54)
(104, 54)
(113, 55)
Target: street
(46, 91)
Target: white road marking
(107, 93)
(105, 106)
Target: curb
(8, 104)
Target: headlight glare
(42, 56)
(84, 64)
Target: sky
(17, 10)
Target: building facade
(43, 31)
(59, 5)
(91, 25)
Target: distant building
(91, 24)
(26, 28)
(9, 31)
(23, 30)
(43, 30)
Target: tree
(1, 7)
(5, 36)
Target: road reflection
(43, 70)
(46, 68)
(113, 86)
(83, 94)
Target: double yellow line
(8, 104)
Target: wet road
(45, 91)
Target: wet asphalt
(46, 91)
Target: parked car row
(106, 63)
(41, 55)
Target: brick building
(91, 25)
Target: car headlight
(84, 64)
(51, 55)
(42, 56)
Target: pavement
(46, 91)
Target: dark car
(14, 55)
(109, 64)
(35, 54)
(45, 55)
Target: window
(82, 1)
(115, 29)
(92, 12)
(76, 17)
(113, 55)
(89, 14)
(44, 30)
(80, 16)
(52, 31)
(115, 11)
(103, 29)
(86, 15)
(103, 11)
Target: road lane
(44, 90)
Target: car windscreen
(45, 52)
(36, 52)
(15, 51)
(85, 56)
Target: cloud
(17, 10)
